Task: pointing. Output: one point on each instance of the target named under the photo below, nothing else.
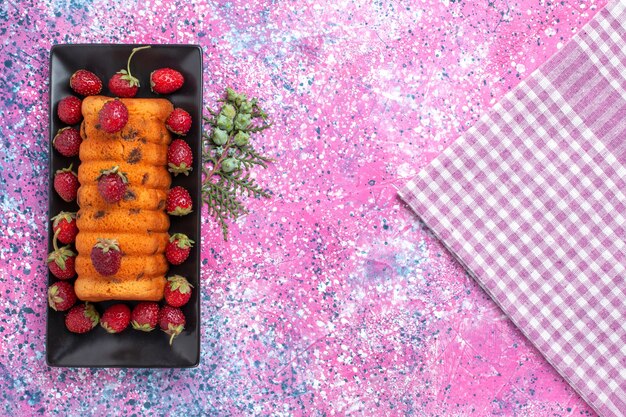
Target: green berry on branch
(241, 139)
(242, 121)
(224, 122)
(246, 107)
(231, 95)
(230, 165)
(228, 111)
(220, 137)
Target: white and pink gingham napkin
(532, 201)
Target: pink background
(331, 298)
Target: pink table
(331, 298)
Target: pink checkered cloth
(532, 201)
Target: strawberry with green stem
(145, 316)
(178, 248)
(178, 202)
(82, 318)
(171, 321)
(61, 296)
(123, 83)
(61, 260)
(178, 122)
(66, 183)
(106, 256)
(112, 184)
(179, 158)
(65, 223)
(177, 291)
(116, 318)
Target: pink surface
(329, 299)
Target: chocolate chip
(134, 211)
(129, 196)
(129, 135)
(161, 205)
(135, 156)
(99, 214)
(144, 179)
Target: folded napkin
(532, 201)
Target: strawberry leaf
(179, 283)
(63, 215)
(92, 314)
(180, 211)
(179, 169)
(181, 240)
(53, 297)
(107, 245)
(174, 331)
(142, 327)
(60, 261)
(108, 328)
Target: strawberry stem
(131, 57)
(54, 239)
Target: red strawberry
(178, 122)
(177, 291)
(113, 116)
(178, 248)
(69, 110)
(115, 318)
(166, 80)
(178, 202)
(66, 183)
(64, 227)
(61, 264)
(145, 316)
(82, 318)
(179, 157)
(85, 83)
(61, 296)
(120, 86)
(61, 261)
(106, 256)
(172, 321)
(67, 141)
(123, 84)
(112, 184)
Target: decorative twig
(228, 156)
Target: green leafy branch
(228, 156)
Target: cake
(138, 222)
